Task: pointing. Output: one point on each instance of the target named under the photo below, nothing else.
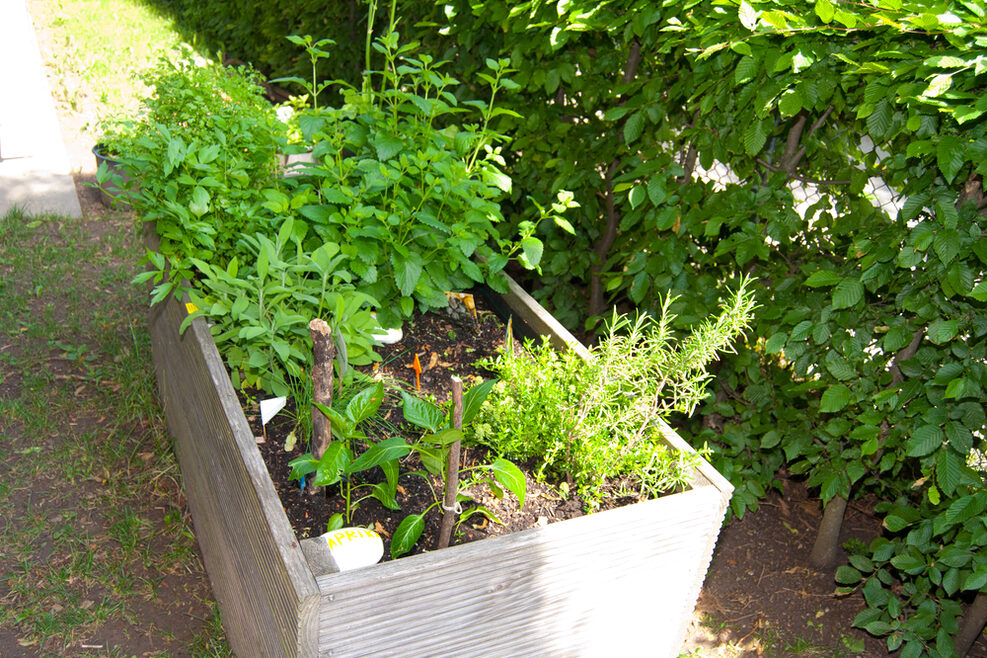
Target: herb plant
(591, 420)
(409, 192)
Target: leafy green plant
(339, 463)
(260, 312)
(433, 449)
(199, 157)
(594, 419)
(411, 194)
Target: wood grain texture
(267, 594)
(621, 581)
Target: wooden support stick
(452, 470)
(323, 351)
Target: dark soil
(445, 347)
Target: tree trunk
(971, 625)
(826, 550)
(323, 351)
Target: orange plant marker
(417, 366)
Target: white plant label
(269, 408)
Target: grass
(95, 528)
(99, 49)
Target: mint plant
(260, 311)
(411, 194)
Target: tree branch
(767, 165)
(793, 157)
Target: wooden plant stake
(450, 505)
(323, 351)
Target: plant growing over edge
(433, 449)
(592, 420)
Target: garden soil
(760, 597)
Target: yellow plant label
(191, 308)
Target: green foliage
(259, 313)
(913, 581)
(433, 449)
(869, 373)
(339, 463)
(411, 195)
(595, 419)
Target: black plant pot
(111, 190)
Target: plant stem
(452, 471)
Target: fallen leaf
(433, 359)
(401, 490)
(380, 529)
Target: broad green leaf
(365, 403)
(341, 424)
(302, 466)
(776, 343)
(199, 204)
(386, 497)
(879, 121)
(835, 398)
(387, 146)
(846, 575)
(847, 293)
(407, 272)
(895, 523)
(406, 534)
(422, 413)
(656, 190)
(924, 441)
(445, 437)
(949, 471)
(897, 338)
(745, 71)
(839, 367)
(633, 127)
(636, 196)
(332, 464)
(979, 291)
(532, 248)
(473, 399)
(976, 580)
(770, 439)
(824, 10)
(942, 331)
(511, 477)
(790, 104)
(939, 84)
(336, 522)
(821, 278)
(947, 245)
(755, 136)
(950, 156)
(387, 450)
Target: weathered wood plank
(622, 580)
(267, 594)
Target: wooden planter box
(622, 580)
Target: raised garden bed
(624, 579)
